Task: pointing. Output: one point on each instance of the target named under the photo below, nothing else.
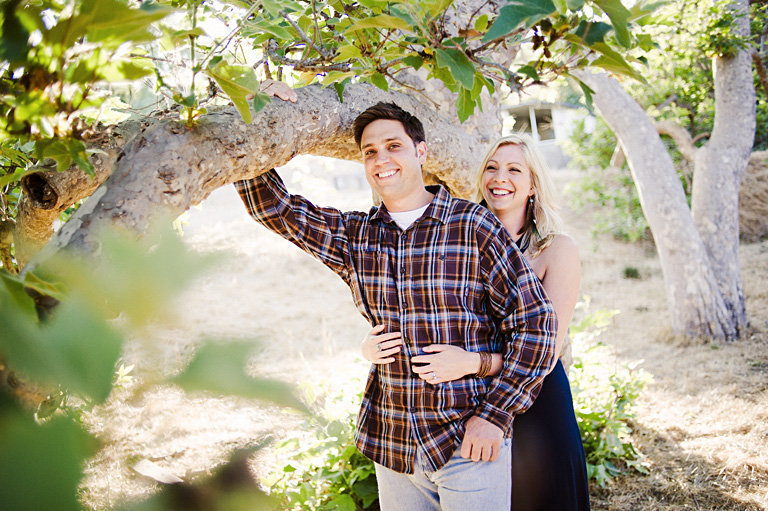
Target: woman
(549, 467)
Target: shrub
(603, 399)
(325, 470)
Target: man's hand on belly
(482, 440)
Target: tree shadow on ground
(679, 480)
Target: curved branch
(681, 137)
(167, 168)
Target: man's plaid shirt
(453, 277)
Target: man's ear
(421, 152)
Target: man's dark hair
(412, 126)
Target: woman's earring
(530, 208)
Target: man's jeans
(460, 485)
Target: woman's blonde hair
(541, 222)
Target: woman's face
(507, 180)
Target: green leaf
(379, 81)
(58, 150)
(79, 155)
(436, 7)
(75, 349)
(346, 52)
(587, 91)
(459, 65)
(465, 105)
(341, 502)
(481, 23)
(404, 14)
(260, 100)
(529, 71)
(517, 13)
(13, 296)
(124, 70)
(339, 87)
(237, 82)
(384, 21)
(280, 30)
(444, 74)
(592, 32)
(618, 15)
(561, 6)
(336, 76)
(114, 20)
(16, 176)
(220, 368)
(375, 4)
(415, 61)
(41, 466)
(13, 44)
(574, 5)
(611, 60)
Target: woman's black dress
(549, 471)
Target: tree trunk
(695, 302)
(719, 167)
(167, 168)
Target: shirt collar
(438, 208)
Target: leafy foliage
(325, 470)
(609, 189)
(74, 353)
(603, 399)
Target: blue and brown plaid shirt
(453, 277)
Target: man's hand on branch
(273, 88)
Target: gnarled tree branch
(167, 168)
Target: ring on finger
(432, 375)
(378, 347)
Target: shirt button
(402, 269)
(404, 304)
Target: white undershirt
(404, 219)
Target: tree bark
(719, 167)
(167, 168)
(696, 306)
(46, 194)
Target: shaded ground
(702, 424)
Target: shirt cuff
(496, 416)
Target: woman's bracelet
(486, 361)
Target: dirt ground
(702, 424)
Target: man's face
(392, 163)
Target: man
(439, 270)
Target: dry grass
(702, 424)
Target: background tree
(698, 247)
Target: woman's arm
(561, 280)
